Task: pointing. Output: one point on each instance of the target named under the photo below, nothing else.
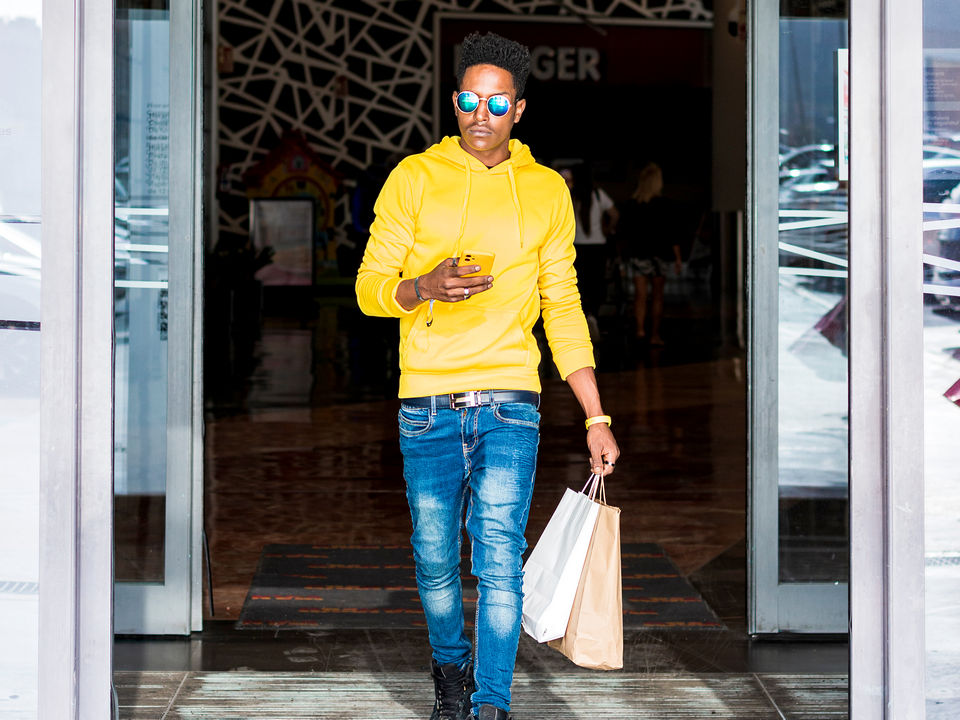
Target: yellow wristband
(598, 419)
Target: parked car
(809, 184)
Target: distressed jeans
(480, 460)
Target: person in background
(469, 417)
(597, 217)
(648, 226)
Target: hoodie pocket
(466, 339)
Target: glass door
(941, 353)
(799, 559)
(156, 503)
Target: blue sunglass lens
(498, 105)
(467, 101)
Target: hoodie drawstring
(458, 247)
(516, 199)
(458, 250)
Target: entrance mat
(310, 587)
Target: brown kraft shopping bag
(594, 637)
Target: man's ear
(521, 106)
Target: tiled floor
(404, 696)
(302, 448)
(221, 648)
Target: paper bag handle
(598, 491)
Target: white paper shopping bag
(594, 637)
(551, 574)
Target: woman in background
(649, 229)
(596, 218)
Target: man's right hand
(446, 283)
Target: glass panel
(812, 340)
(142, 162)
(941, 345)
(20, 48)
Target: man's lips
(478, 130)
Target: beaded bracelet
(598, 419)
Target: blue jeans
(481, 460)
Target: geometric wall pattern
(354, 76)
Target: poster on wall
(149, 108)
(941, 95)
(292, 170)
(286, 228)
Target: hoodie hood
(449, 150)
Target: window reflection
(142, 138)
(813, 164)
(20, 243)
(941, 352)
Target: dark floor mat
(312, 587)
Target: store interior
(300, 389)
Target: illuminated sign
(565, 63)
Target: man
(469, 384)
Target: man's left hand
(603, 449)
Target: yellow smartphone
(477, 257)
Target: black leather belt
(474, 398)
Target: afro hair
(493, 49)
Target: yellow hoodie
(442, 202)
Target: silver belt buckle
(468, 399)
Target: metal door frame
(174, 607)
(887, 658)
(76, 411)
(886, 483)
(886, 593)
(76, 396)
(773, 607)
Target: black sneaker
(490, 712)
(453, 687)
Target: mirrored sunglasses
(497, 105)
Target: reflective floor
(302, 448)
(332, 475)
(302, 441)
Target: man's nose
(481, 113)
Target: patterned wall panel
(355, 76)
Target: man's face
(483, 135)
